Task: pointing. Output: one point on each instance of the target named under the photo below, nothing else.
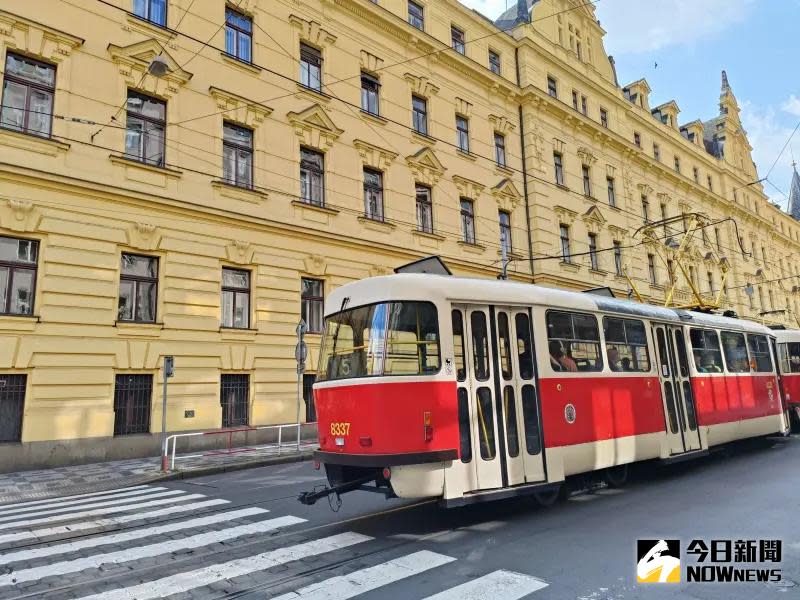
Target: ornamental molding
(312, 32)
(133, 61)
(586, 156)
(37, 39)
(565, 215)
(378, 271)
(468, 188)
(594, 220)
(664, 198)
(144, 236)
(20, 215)
(644, 189)
(421, 86)
(374, 156)
(240, 252)
(611, 171)
(506, 195)
(618, 233)
(502, 124)
(463, 107)
(239, 109)
(370, 62)
(314, 127)
(559, 145)
(426, 167)
(315, 264)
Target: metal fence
(132, 400)
(234, 397)
(12, 404)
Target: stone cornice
(37, 39)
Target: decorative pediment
(644, 189)
(144, 236)
(36, 39)
(618, 233)
(240, 252)
(241, 110)
(370, 62)
(594, 219)
(374, 156)
(426, 167)
(664, 198)
(421, 86)
(312, 32)
(506, 195)
(559, 145)
(611, 171)
(586, 156)
(315, 264)
(468, 188)
(19, 215)
(502, 124)
(132, 62)
(565, 215)
(463, 107)
(314, 127)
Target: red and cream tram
(467, 389)
(789, 363)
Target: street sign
(302, 328)
(301, 352)
(169, 366)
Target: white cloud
(792, 105)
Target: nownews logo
(717, 561)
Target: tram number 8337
(340, 428)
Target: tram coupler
(309, 498)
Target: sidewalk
(61, 481)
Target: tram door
(676, 387)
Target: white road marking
(38, 534)
(106, 510)
(127, 536)
(112, 502)
(365, 580)
(140, 552)
(183, 582)
(3, 507)
(507, 585)
(57, 503)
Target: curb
(156, 476)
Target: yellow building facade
(189, 179)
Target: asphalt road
(244, 535)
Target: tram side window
(458, 345)
(524, 346)
(735, 352)
(504, 346)
(480, 346)
(706, 351)
(759, 353)
(626, 345)
(790, 357)
(573, 342)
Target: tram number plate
(340, 428)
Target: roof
(794, 195)
(519, 13)
(714, 146)
(464, 290)
(787, 335)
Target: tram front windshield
(390, 338)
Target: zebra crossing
(148, 542)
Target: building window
(237, 155)
(612, 192)
(645, 209)
(618, 258)
(468, 220)
(312, 301)
(138, 288)
(310, 67)
(234, 395)
(154, 11)
(575, 100)
(145, 135)
(566, 253)
(552, 87)
(593, 261)
(28, 90)
(12, 406)
(584, 105)
(235, 298)
(370, 94)
(651, 268)
(238, 35)
(656, 152)
(373, 195)
(462, 129)
(505, 231)
(495, 63)
(677, 164)
(696, 174)
(18, 264)
(457, 39)
(558, 162)
(604, 117)
(637, 139)
(133, 396)
(416, 15)
(419, 109)
(587, 181)
(424, 209)
(500, 149)
(711, 183)
(312, 177)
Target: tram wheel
(548, 498)
(617, 476)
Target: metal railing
(283, 441)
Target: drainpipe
(524, 171)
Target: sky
(692, 41)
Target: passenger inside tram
(614, 362)
(561, 360)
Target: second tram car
(469, 390)
(789, 364)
